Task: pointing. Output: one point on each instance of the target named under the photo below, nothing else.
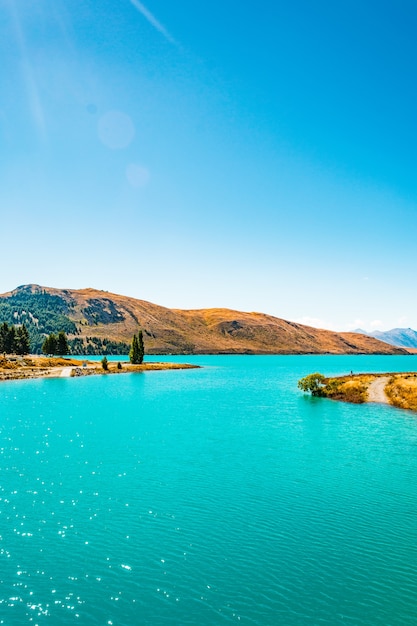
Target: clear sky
(257, 156)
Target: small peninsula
(15, 368)
(395, 388)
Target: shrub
(314, 383)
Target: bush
(314, 383)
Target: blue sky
(261, 157)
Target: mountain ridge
(400, 337)
(100, 321)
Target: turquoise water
(203, 497)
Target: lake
(219, 495)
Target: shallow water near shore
(207, 496)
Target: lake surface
(220, 495)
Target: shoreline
(397, 389)
(31, 367)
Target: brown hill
(105, 315)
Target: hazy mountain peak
(400, 337)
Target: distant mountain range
(401, 337)
(98, 322)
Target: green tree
(141, 346)
(4, 333)
(10, 340)
(45, 345)
(134, 351)
(50, 344)
(104, 363)
(62, 344)
(314, 383)
(22, 340)
(7, 338)
(137, 349)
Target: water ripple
(220, 496)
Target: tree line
(40, 312)
(56, 344)
(14, 339)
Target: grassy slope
(209, 330)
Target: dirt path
(66, 372)
(376, 390)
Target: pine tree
(4, 332)
(62, 344)
(134, 351)
(141, 346)
(45, 346)
(10, 340)
(22, 340)
(137, 349)
(7, 338)
(50, 344)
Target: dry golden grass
(14, 368)
(349, 388)
(402, 391)
(46, 361)
(6, 364)
(96, 368)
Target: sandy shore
(17, 368)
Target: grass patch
(402, 391)
(352, 389)
(14, 367)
